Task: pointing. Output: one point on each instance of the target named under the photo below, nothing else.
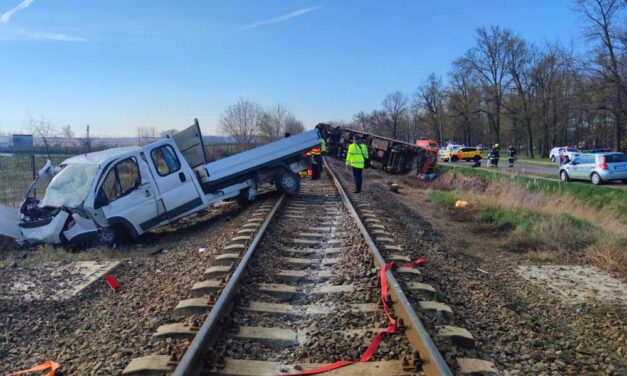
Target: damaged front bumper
(58, 227)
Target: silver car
(597, 168)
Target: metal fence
(18, 167)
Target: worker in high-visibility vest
(316, 164)
(356, 157)
(323, 145)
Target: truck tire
(476, 158)
(109, 236)
(454, 158)
(287, 182)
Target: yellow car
(465, 153)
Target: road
(530, 169)
(519, 167)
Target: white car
(568, 150)
(449, 147)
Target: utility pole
(87, 140)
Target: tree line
(249, 123)
(507, 90)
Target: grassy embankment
(553, 219)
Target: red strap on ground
(54, 366)
(112, 282)
(374, 345)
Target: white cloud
(6, 16)
(282, 18)
(54, 36)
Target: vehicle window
(433, 145)
(615, 158)
(110, 186)
(561, 149)
(128, 173)
(586, 159)
(576, 161)
(165, 160)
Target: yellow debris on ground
(460, 204)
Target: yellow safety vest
(324, 145)
(356, 156)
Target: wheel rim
(563, 175)
(107, 235)
(595, 179)
(288, 182)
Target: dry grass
(554, 227)
(610, 253)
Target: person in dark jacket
(495, 154)
(563, 158)
(511, 155)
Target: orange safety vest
(314, 151)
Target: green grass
(522, 220)
(525, 220)
(594, 196)
(442, 199)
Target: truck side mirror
(101, 199)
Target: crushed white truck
(100, 196)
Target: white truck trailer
(103, 195)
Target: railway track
(299, 289)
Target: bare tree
(168, 132)
(463, 98)
(520, 66)
(489, 61)
(67, 131)
(272, 126)
(395, 105)
(146, 134)
(606, 24)
(430, 97)
(293, 125)
(361, 122)
(42, 128)
(241, 121)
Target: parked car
(448, 148)
(465, 153)
(428, 144)
(597, 168)
(595, 151)
(568, 150)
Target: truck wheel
(454, 158)
(288, 183)
(109, 236)
(596, 178)
(477, 158)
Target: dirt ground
(98, 332)
(524, 328)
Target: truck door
(127, 197)
(175, 183)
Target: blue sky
(119, 64)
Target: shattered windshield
(69, 187)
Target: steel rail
(433, 362)
(191, 363)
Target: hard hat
(496, 145)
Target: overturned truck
(387, 154)
(100, 196)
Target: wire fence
(18, 167)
